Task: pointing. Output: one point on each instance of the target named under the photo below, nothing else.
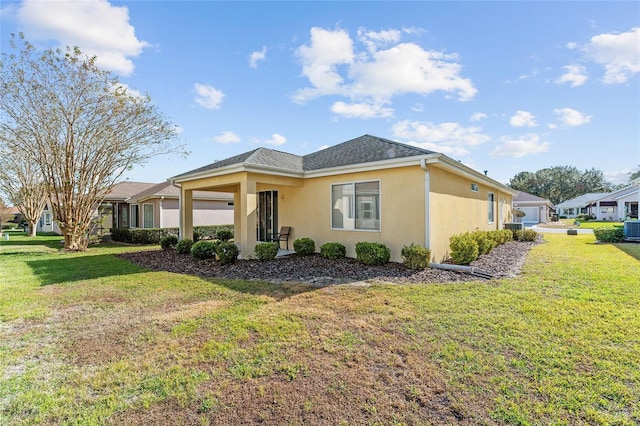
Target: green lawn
(87, 338)
(592, 224)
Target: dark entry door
(267, 215)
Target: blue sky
(500, 86)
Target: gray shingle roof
(166, 189)
(126, 189)
(364, 149)
(524, 196)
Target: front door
(267, 225)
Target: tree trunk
(74, 241)
(32, 228)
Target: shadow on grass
(632, 249)
(20, 239)
(278, 291)
(77, 268)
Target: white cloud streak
(575, 75)
(448, 138)
(95, 26)
(375, 74)
(256, 57)
(618, 53)
(523, 119)
(477, 116)
(227, 137)
(572, 117)
(276, 140)
(208, 96)
(520, 146)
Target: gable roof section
(124, 190)
(168, 190)
(583, 200)
(525, 197)
(365, 149)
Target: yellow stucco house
(365, 189)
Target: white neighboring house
(618, 205)
(46, 222)
(583, 204)
(536, 209)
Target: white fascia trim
(236, 168)
(365, 167)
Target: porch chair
(282, 236)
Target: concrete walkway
(543, 230)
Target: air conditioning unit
(632, 230)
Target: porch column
(247, 218)
(186, 214)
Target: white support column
(427, 204)
(186, 214)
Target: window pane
(367, 205)
(491, 207)
(134, 217)
(341, 206)
(148, 215)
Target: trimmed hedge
(184, 246)
(609, 235)
(169, 242)
(372, 253)
(304, 246)
(227, 252)
(266, 251)
(204, 249)
(154, 235)
(416, 257)
(464, 248)
(333, 251)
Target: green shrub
(609, 235)
(528, 235)
(485, 244)
(168, 242)
(227, 252)
(224, 234)
(464, 248)
(122, 235)
(266, 251)
(304, 246)
(204, 249)
(333, 251)
(415, 256)
(184, 246)
(372, 253)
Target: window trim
(137, 215)
(352, 207)
(474, 187)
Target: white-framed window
(356, 206)
(133, 216)
(491, 208)
(474, 187)
(147, 215)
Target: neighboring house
(151, 205)
(365, 189)
(536, 209)
(617, 205)
(579, 205)
(46, 222)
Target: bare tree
(5, 213)
(21, 180)
(81, 126)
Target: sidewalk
(543, 230)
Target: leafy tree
(560, 183)
(79, 124)
(634, 175)
(22, 181)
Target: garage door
(531, 214)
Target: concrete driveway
(544, 230)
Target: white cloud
(572, 117)
(208, 96)
(619, 176)
(384, 68)
(523, 119)
(521, 146)
(256, 57)
(619, 53)
(575, 75)
(276, 139)
(572, 45)
(95, 26)
(227, 137)
(477, 116)
(447, 138)
(360, 110)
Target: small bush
(609, 235)
(227, 252)
(372, 253)
(266, 251)
(169, 242)
(204, 249)
(500, 236)
(304, 246)
(333, 251)
(224, 234)
(184, 246)
(122, 235)
(485, 244)
(528, 235)
(416, 257)
(464, 248)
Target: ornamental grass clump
(333, 251)
(304, 246)
(372, 253)
(415, 257)
(266, 251)
(464, 248)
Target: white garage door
(531, 214)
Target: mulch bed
(505, 260)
